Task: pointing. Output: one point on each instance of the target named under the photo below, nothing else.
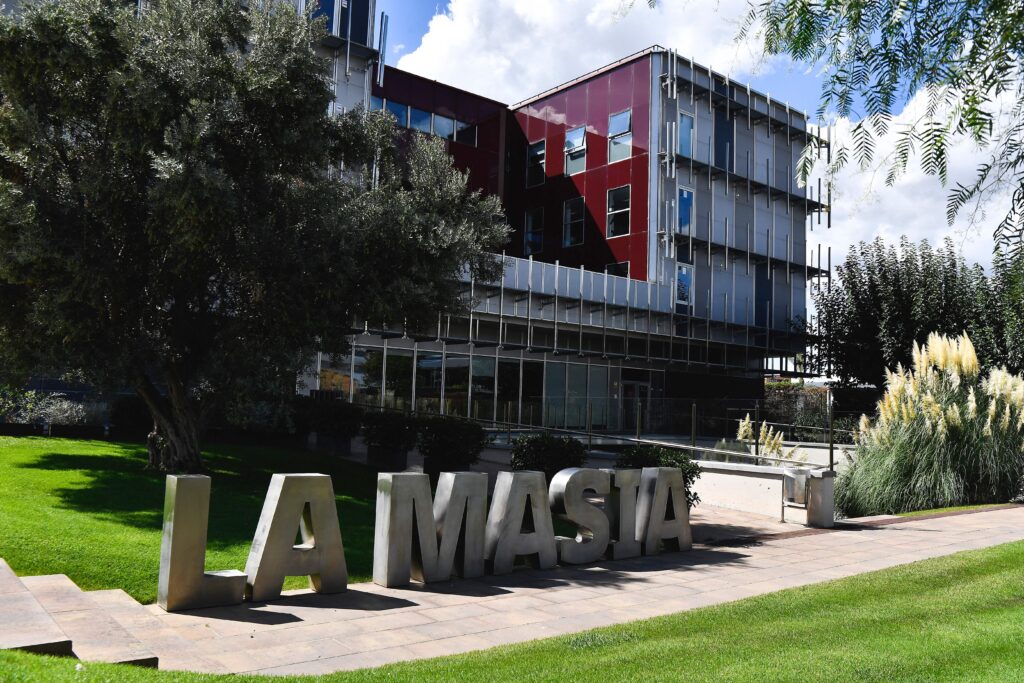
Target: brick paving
(370, 626)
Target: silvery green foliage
(180, 214)
(875, 55)
(34, 407)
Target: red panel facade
(483, 160)
(588, 103)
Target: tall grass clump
(944, 436)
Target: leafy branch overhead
(965, 56)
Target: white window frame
(566, 223)
(543, 162)
(536, 229)
(620, 137)
(609, 213)
(581, 148)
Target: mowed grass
(91, 509)
(958, 618)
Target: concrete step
(95, 635)
(24, 623)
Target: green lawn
(958, 618)
(90, 509)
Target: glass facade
(552, 393)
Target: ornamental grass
(944, 436)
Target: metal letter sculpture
(505, 538)
(621, 510)
(660, 487)
(405, 513)
(567, 493)
(306, 502)
(183, 584)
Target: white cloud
(398, 48)
(864, 207)
(512, 49)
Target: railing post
(639, 413)
(757, 429)
(590, 427)
(693, 424)
(831, 435)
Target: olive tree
(180, 214)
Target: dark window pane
(482, 407)
(428, 382)
(400, 112)
(398, 379)
(618, 198)
(620, 269)
(618, 224)
(419, 120)
(456, 384)
(535, 153)
(533, 391)
(465, 133)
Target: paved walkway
(369, 626)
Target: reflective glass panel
(444, 127)
(428, 382)
(400, 112)
(482, 406)
(419, 119)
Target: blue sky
(409, 20)
(510, 50)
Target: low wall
(759, 489)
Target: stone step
(24, 624)
(95, 635)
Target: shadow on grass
(120, 488)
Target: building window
(685, 210)
(686, 135)
(419, 120)
(533, 231)
(618, 211)
(400, 112)
(535, 154)
(576, 150)
(620, 136)
(621, 269)
(573, 213)
(376, 103)
(444, 127)
(465, 133)
(684, 277)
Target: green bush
(450, 444)
(944, 436)
(547, 454)
(389, 430)
(130, 417)
(640, 456)
(329, 417)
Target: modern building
(659, 255)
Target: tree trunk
(173, 444)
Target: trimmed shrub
(547, 454)
(331, 417)
(450, 444)
(640, 456)
(130, 417)
(389, 430)
(944, 436)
